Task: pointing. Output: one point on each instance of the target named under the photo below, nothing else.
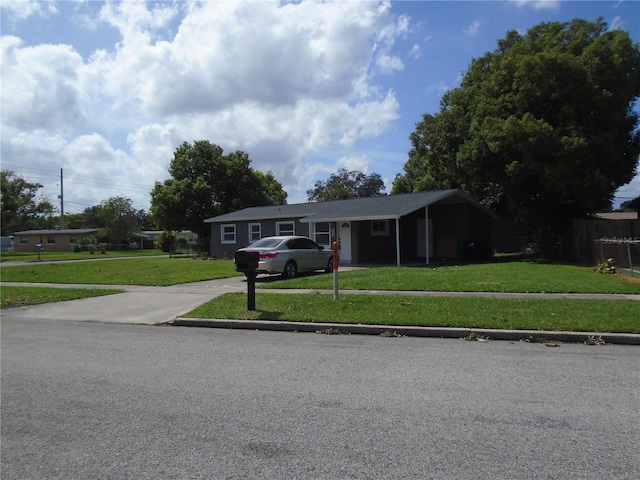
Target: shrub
(167, 241)
(91, 248)
(606, 267)
(82, 244)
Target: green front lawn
(46, 256)
(22, 296)
(161, 271)
(520, 277)
(528, 314)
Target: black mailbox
(246, 260)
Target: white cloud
(389, 64)
(40, 86)
(539, 4)
(354, 162)
(416, 52)
(20, 10)
(617, 23)
(279, 81)
(473, 29)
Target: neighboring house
(617, 215)
(394, 229)
(51, 240)
(190, 238)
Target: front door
(344, 240)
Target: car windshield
(266, 243)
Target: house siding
(268, 228)
(52, 241)
(373, 249)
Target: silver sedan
(290, 255)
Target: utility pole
(61, 202)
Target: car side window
(307, 244)
(293, 244)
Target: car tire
(329, 267)
(290, 269)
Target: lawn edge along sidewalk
(535, 336)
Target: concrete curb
(537, 336)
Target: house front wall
(456, 231)
(49, 242)
(226, 238)
(373, 243)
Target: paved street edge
(537, 336)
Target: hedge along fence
(616, 248)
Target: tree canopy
(205, 183)
(119, 218)
(23, 206)
(541, 129)
(346, 184)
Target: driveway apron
(139, 305)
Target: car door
(313, 255)
(297, 253)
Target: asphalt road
(114, 401)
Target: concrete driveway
(138, 305)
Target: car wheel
(290, 269)
(329, 267)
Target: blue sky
(107, 90)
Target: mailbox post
(247, 262)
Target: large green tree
(346, 184)
(23, 206)
(119, 217)
(542, 128)
(205, 183)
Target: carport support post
(398, 241)
(251, 290)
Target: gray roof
(68, 231)
(370, 208)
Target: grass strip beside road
(153, 271)
(514, 277)
(620, 316)
(22, 296)
(48, 256)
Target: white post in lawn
(398, 242)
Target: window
(255, 232)
(51, 240)
(285, 228)
(379, 227)
(322, 234)
(228, 233)
(307, 244)
(24, 240)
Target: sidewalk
(165, 305)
